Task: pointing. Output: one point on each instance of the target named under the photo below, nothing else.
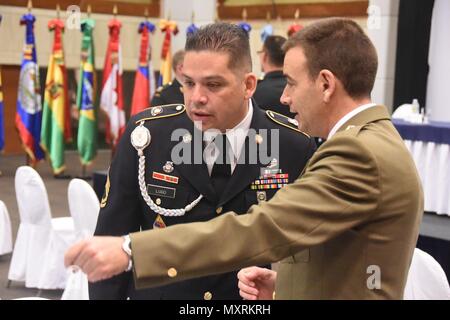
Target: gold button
(219, 210)
(207, 295)
(158, 201)
(172, 272)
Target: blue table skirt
(437, 132)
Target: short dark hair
(273, 46)
(340, 46)
(177, 59)
(223, 37)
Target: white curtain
(438, 94)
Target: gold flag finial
(192, 17)
(146, 14)
(30, 6)
(89, 10)
(297, 14)
(115, 10)
(268, 16)
(58, 11)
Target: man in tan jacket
(346, 229)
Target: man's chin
(204, 125)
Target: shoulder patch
(284, 121)
(159, 112)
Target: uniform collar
(274, 74)
(237, 135)
(347, 117)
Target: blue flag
(29, 105)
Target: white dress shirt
(348, 116)
(236, 137)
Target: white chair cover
(38, 256)
(5, 230)
(426, 279)
(84, 208)
(77, 287)
(403, 112)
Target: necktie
(221, 171)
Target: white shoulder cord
(140, 139)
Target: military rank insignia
(270, 181)
(105, 195)
(165, 177)
(159, 223)
(271, 177)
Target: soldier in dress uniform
(346, 229)
(231, 155)
(270, 88)
(173, 91)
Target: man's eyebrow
(208, 78)
(289, 77)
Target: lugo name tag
(161, 191)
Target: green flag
(87, 126)
(56, 130)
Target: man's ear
(250, 85)
(327, 84)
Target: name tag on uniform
(161, 191)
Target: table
(429, 144)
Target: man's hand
(256, 283)
(99, 257)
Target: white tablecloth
(433, 163)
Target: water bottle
(415, 116)
(415, 106)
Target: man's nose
(198, 96)
(285, 98)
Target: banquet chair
(403, 112)
(84, 208)
(5, 230)
(38, 255)
(426, 279)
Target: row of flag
(44, 127)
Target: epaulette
(284, 121)
(353, 130)
(165, 111)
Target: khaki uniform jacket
(345, 230)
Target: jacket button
(172, 272)
(158, 201)
(219, 210)
(207, 295)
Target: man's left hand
(100, 258)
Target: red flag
(111, 96)
(141, 93)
